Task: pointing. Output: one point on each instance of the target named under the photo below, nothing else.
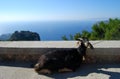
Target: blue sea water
(48, 30)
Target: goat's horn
(79, 39)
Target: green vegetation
(104, 30)
(24, 36)
(64, 37)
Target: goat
(63, 60)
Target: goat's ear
(90, 45)
(78, 43)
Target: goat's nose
(83, 58)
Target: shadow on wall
(86, 70)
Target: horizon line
(53, 20)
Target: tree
(106, 30)
(85, 34)
(103, 30)
(64, 38)
(76, 36)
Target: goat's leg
(65, 70)
(45, 71)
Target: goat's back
(59, 59)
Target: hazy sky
(35, 10)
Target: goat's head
(83, 45)
(85, 42)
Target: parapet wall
(29, 51)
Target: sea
(48, 30)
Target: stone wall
(103, 52)
(21, 54)
(103, 55)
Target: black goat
(63, 60)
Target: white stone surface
(91, 71)
(39, 44)
(57, 44)
(106, 44)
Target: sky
(50, 10)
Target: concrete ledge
(104, 52)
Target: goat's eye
(78, 43)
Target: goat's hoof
(65, 70)
(44, 71)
